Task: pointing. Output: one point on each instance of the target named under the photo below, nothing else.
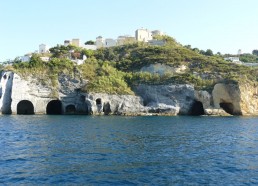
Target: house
(233, 60)
(99, 42)
(67, 42)
(109, 42)
(75, 42)
(43, 49)
(143, 35)
(45, 58)
(121, 40)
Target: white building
(67, 42)
(122, 40)
(46, 59)
(99, 42)
(109, 42)
(25, 58)
(43, 48)
(143, 35)
(76, 42)
(233, 59)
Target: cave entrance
(197, 109)
(98, 101)
(70, 109)
(54, 107)
(106, 108)
(227, 107)
(25, 107)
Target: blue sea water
(87, 150)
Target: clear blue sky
(220, 25)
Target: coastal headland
(131, 79)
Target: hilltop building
(239, 52)
(99, 42)
(75, 42)
(67, 42)
(143, 35)
(109, 42)
(121, 40)
(43, 49)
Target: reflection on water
(128, 150)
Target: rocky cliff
(28, 96)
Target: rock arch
(197, 108)
(25, 107)
(54, 107)
(70, 109)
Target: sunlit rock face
(105, 104)
(236, 99)
(227, 97)
(6, 92)
(26, 95)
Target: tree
(202, 52)
(90, 42)
(255, 52)
(88, 52)
(35, 61)
(209, 52)
(196, 50)
(188, 46)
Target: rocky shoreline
(28, 96)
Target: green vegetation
(248, 58)
(116, 70)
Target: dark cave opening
(54, 107)
(227, 107)
(25, 107)
(197, 109)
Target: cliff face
(99, 104)
(28, 96)
(236, 99)
(170, 99)
(249, 99)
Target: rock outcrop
(169, 99)
(99, 103)
(6, 92)
(28, 96)
(228, 97)
(162, 69)
(236, 99)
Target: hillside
(117, 70)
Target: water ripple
(79, 150)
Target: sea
(119, 150)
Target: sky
(220, 25)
